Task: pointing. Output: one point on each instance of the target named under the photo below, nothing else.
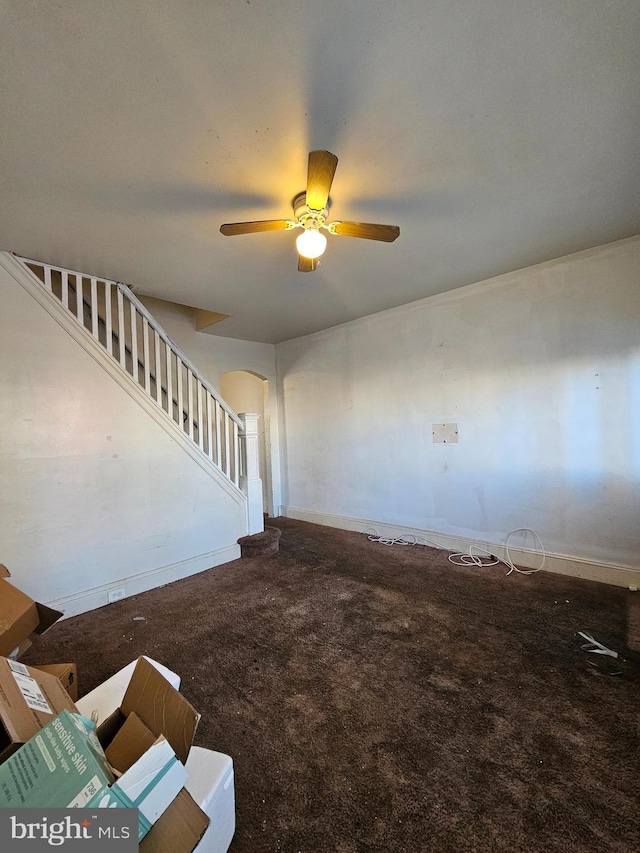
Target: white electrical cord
(373, 536)
(595, 647)
(509, 562)
(472, 559)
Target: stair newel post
(250, 481)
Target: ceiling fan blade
(306, 264)
(233, 228)
(322, 168)
(385, 233)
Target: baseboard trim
(90, 599)
(578, 567)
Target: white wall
(216, 356)
(211, 354)
(245, 392)
(540, 369)
(93, 492)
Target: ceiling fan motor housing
(302, 213)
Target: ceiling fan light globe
(311, 244)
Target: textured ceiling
(495, 134)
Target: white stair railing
(112, 314)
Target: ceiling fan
(310, 211)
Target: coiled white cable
(509, 562)
(373, 536)
(472, 559)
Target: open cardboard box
(29, 699)
(20, 616)
(152, 716)
(64, 766)
(151, 707)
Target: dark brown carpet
(261, 544)
(378, 698)
(633, 629)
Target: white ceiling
(495, 134)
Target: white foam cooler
(210, 784)
(210, 780)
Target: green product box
(63, 766)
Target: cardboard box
(103, 700)
(64, 766)
(142, 758)
(66, 673)
(29, 699)
(129, 744)
(159, 706)
(152, 783)
(20, 616)
(179, 829)
(150, 708)
(164, 711)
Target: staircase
(110, 314)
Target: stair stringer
(32, 285)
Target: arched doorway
(246, 391)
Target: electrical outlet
(115, 594)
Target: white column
(251, 483)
